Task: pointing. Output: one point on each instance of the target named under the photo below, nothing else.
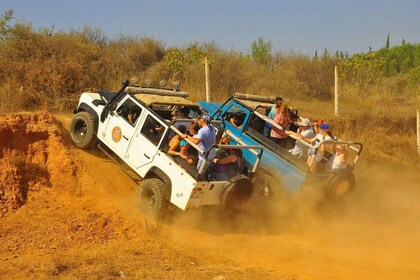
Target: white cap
(304, 122)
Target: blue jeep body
(241, 116)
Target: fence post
(336, 97)
(418, 131)
(206, 70)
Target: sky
(290, 25)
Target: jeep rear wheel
(152, 198)
(340, 185)
(236, 193)
(82, 129)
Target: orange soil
(72, 214)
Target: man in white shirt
(305, 132)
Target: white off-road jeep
(136, 124)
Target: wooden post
(336, 97)
(206, 70)
(418, 131)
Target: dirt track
(72, 214)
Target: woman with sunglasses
(338, 160)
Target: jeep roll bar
(156, 91)
(254, 97)
(351, 144)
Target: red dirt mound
(31, 157)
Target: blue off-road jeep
(244, 117)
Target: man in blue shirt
(205, 138)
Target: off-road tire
(236, 193)
(340, 185)
(152, 198)
(264, 188)
(82, 130)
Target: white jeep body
(140, 144)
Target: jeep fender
(156, 172)
(236, 193)
(85, 107)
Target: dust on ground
(72, 214)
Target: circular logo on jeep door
(116, 134)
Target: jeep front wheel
(82, 129)
(151, 197)
(264, 187)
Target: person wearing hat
(304, 132)
(323, 135)
(315, 127)
(205, 138)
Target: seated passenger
(182, 112)
(225, 139)
(237, 119)
(175, 140)
(184, 146)
(133, 114)
(338, 160)
(228, 165)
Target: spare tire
(236, 193)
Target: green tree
(399, 59)
(4, 24)
(361, 70)
(387, 42)
(177, 59)
(261, 51)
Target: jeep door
(121, 125)
(146, 141)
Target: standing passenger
(271, 114)
(304, 132)
(323, 135)
(283, 119)
(205, 138)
